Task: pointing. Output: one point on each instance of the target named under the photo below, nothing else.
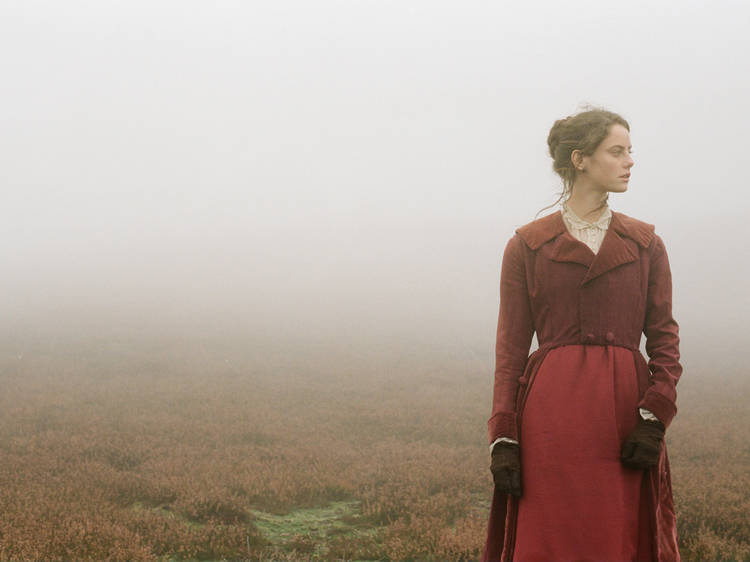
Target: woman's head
(575, 145)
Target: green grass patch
(309, 530)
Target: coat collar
(614, 251)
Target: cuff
(647, 415)
(502, 424)
(661, 407)
(502, 440)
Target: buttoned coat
(555, 285)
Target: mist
(348, 173)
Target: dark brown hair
(582, 131)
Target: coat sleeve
(515, 328)
(662, 338)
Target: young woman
(577, 428)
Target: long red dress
(572, 403)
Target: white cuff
(646, 415)
(505, 439)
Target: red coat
(554, 285)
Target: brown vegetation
(180, 450)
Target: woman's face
(608, 169)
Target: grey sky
(323, 168)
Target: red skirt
(579, 502)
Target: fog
(350, 172)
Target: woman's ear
(576, 157)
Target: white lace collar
(601, 223)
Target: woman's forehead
(618, 136)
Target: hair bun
(555, 134)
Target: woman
(577, 428)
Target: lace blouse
(590, 233)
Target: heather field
(208, 449)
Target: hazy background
(349, 172)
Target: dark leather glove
(641, 448)
(506, 467)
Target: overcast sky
(328, 168)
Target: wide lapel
(614, 251)
(565, 247)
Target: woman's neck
(589, 208)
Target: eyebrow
(620, 146)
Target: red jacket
(554, 285)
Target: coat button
(590, 337)
(610, 337)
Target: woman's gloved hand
(641, 448)
(506, 468)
